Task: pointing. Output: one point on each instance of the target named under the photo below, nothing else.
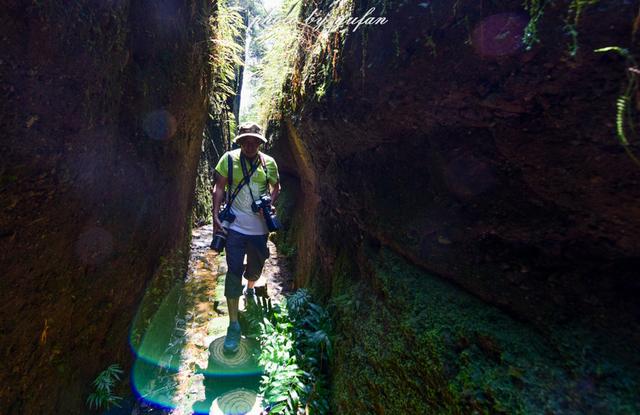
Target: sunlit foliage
(226, 53)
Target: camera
(220, 238)
(264, 203)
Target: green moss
(343, 269)
(416, 344)
(383, 365)
(6, 180)
(285, 238)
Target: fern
(300, 58)
(621, 108)
(295, 346)
(103, 397)
(623, 103)
(298, 301)
(276, 67)
(226, 53)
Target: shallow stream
(180, 367)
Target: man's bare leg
(232, 339)
(232, 304)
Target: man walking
(253, 174)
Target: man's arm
(275, 192)
(218, 197)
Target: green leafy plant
(255, 313)
(226, 53)
(313, 330)
(278, 42)
(103, 397)
(300, 58)
(295, 344)
(281, 384)
(624, 118)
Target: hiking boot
(232, 340)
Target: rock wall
(102, 118)
(440, 138)
(214, 143)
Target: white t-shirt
(248, 222)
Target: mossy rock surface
(411, 343)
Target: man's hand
(218, 196)
(217, 225)
(275, 192)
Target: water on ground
(180, 367)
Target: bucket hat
(249, 129)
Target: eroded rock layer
(440, 138)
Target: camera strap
(264, 167)
(245, 180)
(231, 196)
(229, 177)
(254, 167)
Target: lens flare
(237, 401)
(499, 35)
(227, 384)
(94, 245)
(160, 125)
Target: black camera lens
(273, 223)
(219, 241)
(226, 216)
